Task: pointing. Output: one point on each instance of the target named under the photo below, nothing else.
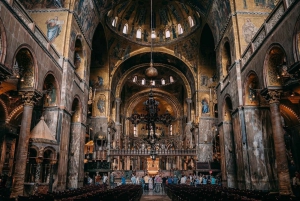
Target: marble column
(118, 103)
(127, 162)
(189, 102)
(273, 97)
(138, 163)
(29, 99)
(38, 170)
(74, 155)
(118, 124)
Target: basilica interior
(170, 87)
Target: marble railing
(271, 22)
(145, 152)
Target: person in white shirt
(183, 179)
(104, 178)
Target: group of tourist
(97, 179)
(157, 182)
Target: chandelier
(151, 118)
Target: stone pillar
(127, 162)
(74, 155)
(118, 124)
(38, 170)
(273, 97)
(138, 163)
(230, 154)
(29, 99)
(189, 102)
(177, 162)
(118, 103)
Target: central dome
(171, 20)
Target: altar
(152, 166)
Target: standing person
(146, 178)
(204, 180)
(97, 179)
(164, 179)
(200, 179)
(158, 182)
(170, 180)
(213, 180)
(150, 183)
(112, 180)
(143, 182)
(123, 179)
(175, 179)
(90, 180)
(104, 179)
(182, 180)
(137, 180)
(133, 179)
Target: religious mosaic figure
(100, 81)
(205, 108)
(249, 30)
(77, 60)
(252, 92)
(101, 105)
(53, 28)
(52, 96)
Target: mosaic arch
(76, 110)
(51, 87)
(2, 42)
(297, 40)
(251, 86)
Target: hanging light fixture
(151, 72)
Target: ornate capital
(272, 96)
(188, 100)
(30, 97)
(118, 100)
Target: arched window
(125, 29)
(168, 35)
(163, 81)
(180, 29)
(114, 22)
(139, 33)
(171, 129)
(191, 21)
(134, 79)
(171, 79)
(226, 59)
(143, 81)
(153, 34)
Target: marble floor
(153, 196)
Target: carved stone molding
(272, 96)
(30, 98)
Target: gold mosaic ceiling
(171, 20)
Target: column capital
(271, 95)
(118, 100)
(30, 98)
(188, 100)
